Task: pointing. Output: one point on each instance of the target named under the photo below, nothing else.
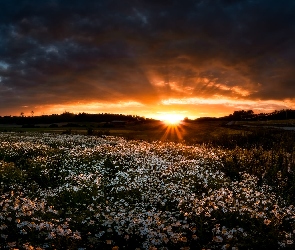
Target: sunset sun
(172, 119)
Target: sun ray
(178, 133)
(173, 132)
(166, 133)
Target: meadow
(72, 191)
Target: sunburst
(173, 129)
(172, 119)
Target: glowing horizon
(180, 107)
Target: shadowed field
(188, 131)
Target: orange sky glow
(185, 107)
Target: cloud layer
(61, 53)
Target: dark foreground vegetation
(203, 184)
(71, 191)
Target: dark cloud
(61, 51)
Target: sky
(195, 58)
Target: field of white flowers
(83, 192)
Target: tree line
(70, 118)
(249, 115)
(107, 117)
